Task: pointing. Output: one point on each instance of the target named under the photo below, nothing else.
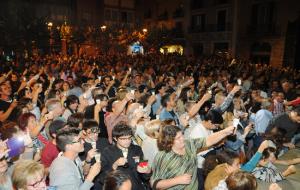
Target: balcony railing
(264, 30)
(179, 13)
(164, 16)
(211, 28)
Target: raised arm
(218, 136)
(195, 108)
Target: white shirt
(149, 148)
(197, 130)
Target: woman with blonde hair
(149, 145)
(29, 175)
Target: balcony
(163, 16)
(211, 28)
(179, 13)
(264, 30)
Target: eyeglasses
(3, 158)
(125, 138)
(217, 125)
(95, 130)
(80, 140)
(38, 183)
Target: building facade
(260, 30)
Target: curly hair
(166, 137)
(24, 119)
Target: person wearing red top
(294, 102)
(51, 151)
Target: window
(107, 14)
(262, 18)
(198, 22)
(114, 15)
(221, 20)
(130, 17)
(123, 17)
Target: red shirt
(49, 153)
(295, 102)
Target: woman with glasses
(29, 175)
(92, 141)
(125, 156)
(91, 138)
(5, 180)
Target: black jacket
(89, 114)
(113, 153)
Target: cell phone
(98, 101)
(236, 122)
(239, 81)
(93, 145)
(16, 146)
(49, 115)
(132, 91)
(210, 92)
(129, 69)
(15, 97)
(98, 157)
(113, 77)
(153, 93)
(99, 78)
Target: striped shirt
(167, 165)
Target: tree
(19, 27)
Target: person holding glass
(125, 156)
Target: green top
(168, 165)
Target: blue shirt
(157, 104)
(164, 115)
(261, 120)
(251, 164)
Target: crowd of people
(153, 121)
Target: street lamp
(50, 24)
(103, 28)
(65, 32)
